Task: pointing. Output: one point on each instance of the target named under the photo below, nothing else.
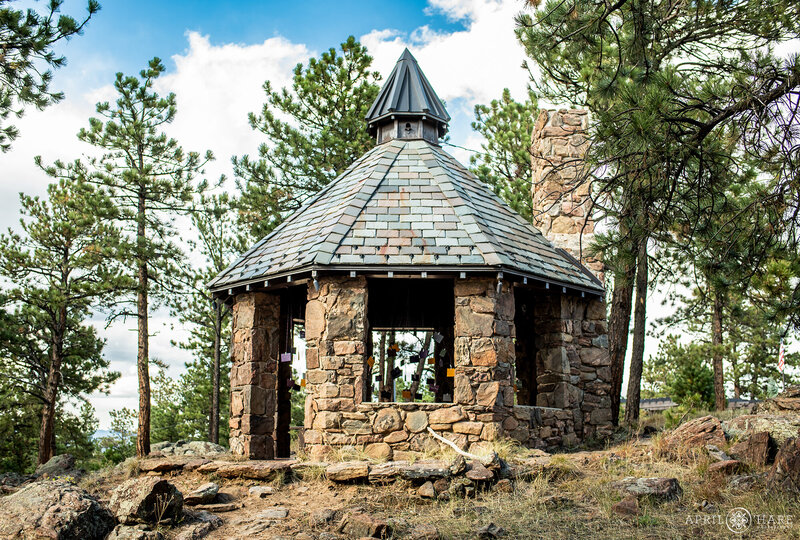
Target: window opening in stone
(410, 340)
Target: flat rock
(629, 506)
(729, 466)
(261, 491)
(194, 532)
(425, 470)
(138, 501)
(348, 472)
(278, 512)
(251, 470)
(358, 525)
(787, 401)
(385, 472)
(164, 464)
(54, 509)
(219, 508)
(202, 495)
(135, 532)
(696, 433)
(745, 482)
(490, 531)
(660, 489)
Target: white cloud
(217, 85)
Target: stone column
(336, 337)
(484, 347)
(593, 365)
(561, 203)
(253, 374)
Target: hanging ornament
(414, 359)
(423, 353)
(437, 337)
(407, 395)
(431, 381)
(414, 377)
(371, 361)
(451, 372)
(286, 357)
(396, 373)
(417, 396)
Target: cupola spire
(407, 107)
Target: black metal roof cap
(407, 92)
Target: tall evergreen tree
(505, 162)
(207, 319)
(151, 180)
(27, 39)
(658, 119)
(314, 132)
(60, 264)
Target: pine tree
(505, 162)
(208, 319)
(151, 180)
(325, 132)
(27, 39)
(659, 122)
(61, 263)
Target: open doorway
(289, 407)
(410, 340)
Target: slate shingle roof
(406, 203)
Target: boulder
(490, 531)
(757, 449)
(146, 500)
(780, 427)
(320, 518)
(202, 495)
(785, 472)
(54, 509)
(349, 471)
(61, 465)
(135, 532)
(695, 433)
(657, 489)
(358, 525)
(745, 482)
(629, 506)
(379, 451)
(260, 492)
(200, 525)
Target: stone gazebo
(408, 239)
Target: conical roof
(406, 204)
(407, 92)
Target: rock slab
(659, 489)
(146, 500)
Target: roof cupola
(407, 107)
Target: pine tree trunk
(143, 356)
(639, 331)
(618, 327)
(213, 431)
(716, 343)
(421, 366)
(737, 379)
(47, 429)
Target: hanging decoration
(371, 361)
(437, 337)
(451, 372)
(407, 395)
(286, 357)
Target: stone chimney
(561, 204)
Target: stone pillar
(594, 371)
(336, 337)
(484, 346)
(552, 360)
(254, 374)
(561, 203)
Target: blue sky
(217, 56)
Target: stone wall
(254, 382)
(561, 204)
(484, 343)
(336, 337)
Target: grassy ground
(568, 498)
